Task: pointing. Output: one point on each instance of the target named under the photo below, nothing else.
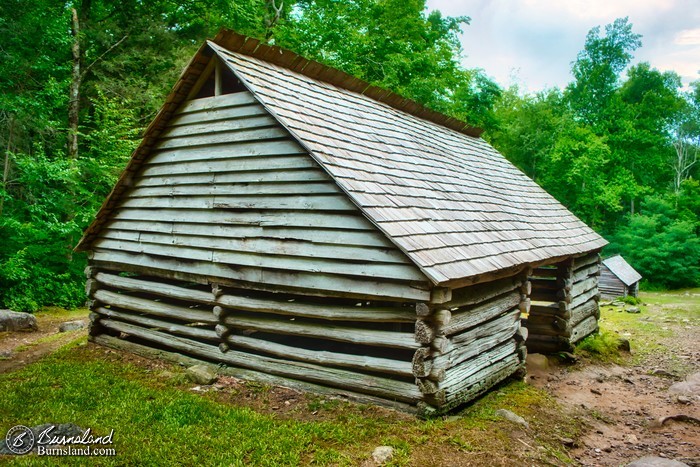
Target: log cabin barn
(299, 226)
(618, 278)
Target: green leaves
(598, 66)
(662, 241)
(395, 45)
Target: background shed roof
(621, 268)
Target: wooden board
(353, 335)
(382, 387)
(327, 311)
(241, 258)
(243, 277)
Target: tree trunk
(6, 164)
(272, 17)
(74, 102)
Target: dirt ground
(18, 349)
(627, 403)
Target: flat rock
(202, 374)
(72, 326)
(512, 417)
(654, 461)
(633, 309)
(382, 454)
(689, 387)
(17, 321)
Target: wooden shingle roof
(445, 197)
(622, 269)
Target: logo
(20, 439)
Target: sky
(532, 43)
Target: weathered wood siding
(228, 196)
(470, 343)
(564, 307)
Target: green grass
(154, 424)
(603, 346)
(44, 340)
(158, 420)
(649, 332)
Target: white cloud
(537, 40)
(688, 37)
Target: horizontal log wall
(564, 307)
(355, 347)
(228, 195)
(470, 343)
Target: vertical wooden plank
(218, 85)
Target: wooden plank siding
(452, 203)
(227, 191)
(300, 232)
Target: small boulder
(17, 321)
(633, 309)
(654, 461)
(202, 374)
(663, 373)
(537, 361)
(512, 417)
(624, 344)
(689, 387)
(71, 326)
(568, 442)
(382, 454)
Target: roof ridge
(239, 43)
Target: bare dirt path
(18, 349)
(627, 402)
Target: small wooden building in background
(303, 227)
(618, 278)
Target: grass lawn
(159, 420)
(655, 331)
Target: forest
(80, 80)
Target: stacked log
(427, 357)
(564, 307)
(358, 349)
(469, 343)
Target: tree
(597, 69)
(687, 138)
(395, 45)
(662, 241)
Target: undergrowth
(603, 346)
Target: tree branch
(112, 47)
